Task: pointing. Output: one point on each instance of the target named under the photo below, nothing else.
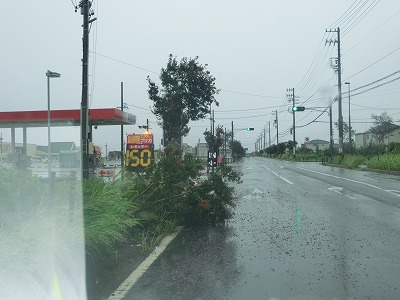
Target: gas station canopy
(97, 117)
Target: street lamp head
(52, 74)
(347, 83)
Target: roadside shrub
(385, 162)
(337, 160)
(353, 161)
(20, 190)
(107, 216)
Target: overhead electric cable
(124, 63)
(367, 36)
(343, 24)
(373, 63)
(342, 16)
(376, 81)
(248, 94)
(379, 85)
(312, 120)
(360, 17)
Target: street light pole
(351, 146)
(49, 75)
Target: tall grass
(107, 216)
(353, 161)
(385, 162)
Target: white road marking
(276, 174)
(124, 288)
(352, 180)
(339, 190)
(393, 192)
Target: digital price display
(139, 152)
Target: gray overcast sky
(255, 47)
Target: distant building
(368, 138)
(188, 149)
(316, 144)
(57, 147)
(6, 149)
(202, 150)
(114, 155)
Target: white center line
(276, 174)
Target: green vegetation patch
(385, 162)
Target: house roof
(57, 147)
(317, 142)
(386, 127)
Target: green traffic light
(298, 108)
(249, 128)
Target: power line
(376, 29)
(300, 85)
(342, 16)
(379, 85)
(312, 120)
(94, 59)
(362, 16)
(124, 63)
(376, 81)
(249, 109)
(373, 63)
(139, 107)
(252, 95)
(74, 4)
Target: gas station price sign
(139, 152)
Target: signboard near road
(106, 172)
(139, 152)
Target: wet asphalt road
(301, 231)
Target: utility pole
(264, 138)
(225, 144)
(122, 133)
(350, 142)
(330, 130)
(290, 97)
(1, 148)
(277, 127)
(232, 133)
(85, 133)
(269, 133)
(214, 152)
(338, 68)
(106, 151)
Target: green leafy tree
(345, 131)
(186, 93)
(281, 148)
(237, 150)
(214, 141)
(381, 126)
(289, 146)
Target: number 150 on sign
(138, 158)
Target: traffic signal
(250, 128)
(298, 108)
